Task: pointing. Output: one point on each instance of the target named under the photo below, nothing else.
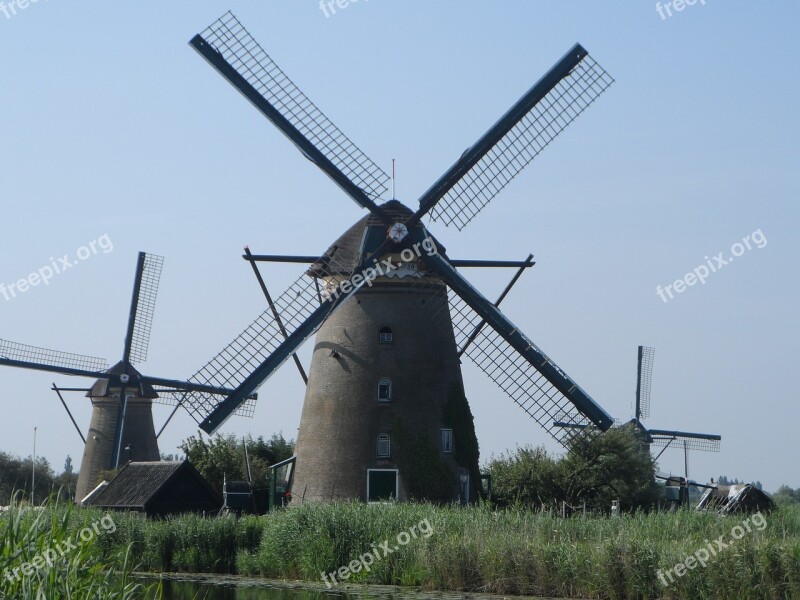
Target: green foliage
(612, 465)
(786, 495)
(223, 456)
(596, 469)
(528, 553)
(16, 475)
(475, 549)
(723, 480)
(425, 474)
(458, 416)
(527, 477)
(42, 557)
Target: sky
(115, 131)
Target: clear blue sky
(113, 126)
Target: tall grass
(43, 558)
(472, 549)
(528, 553)
(188, 544)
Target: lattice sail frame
(145, 307)
(54, 358)
(692, 443)
(234, 363)
(645, 380)
(513, 374)
(229, 38)
(540, 126)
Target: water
(211, 587)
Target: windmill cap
(103, 387)
(361, 240)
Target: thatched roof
(727, 499)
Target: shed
(728, 499)
(158, 489)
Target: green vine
(425, 474)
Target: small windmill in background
(122, 416)
(665, 438)
(660, 438)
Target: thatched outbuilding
(729, 499)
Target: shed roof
(140, 482)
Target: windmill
(122, 416)
(385, 414)
(660, 438)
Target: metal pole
(121, 428)
(528, 263)
(33, 470)
(60, 397)
(273, 308)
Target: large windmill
(384, 412)
(122, 416)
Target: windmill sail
(230, 48)
(143, 305)
(556, 100)
(32, 357)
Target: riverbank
(673, 555)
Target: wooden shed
(158, 489)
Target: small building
(158, 489)
(729, 499)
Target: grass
(468, 550)
(527, 553)
(43, 557)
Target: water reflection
(224, 587)
(227, 589)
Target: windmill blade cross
(240, 59)
(510, 145)
(255, 354)
(143, 305)
(503, 348)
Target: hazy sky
(113, 126)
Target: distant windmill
(662, 438)
(384, 399)
(122, 416)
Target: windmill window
(385, 335)
(447, 441)
(385, 389)
(384, 449)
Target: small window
(447, 440)
(384, 449)
(385, 335)
(385, 389)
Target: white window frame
(396, 484)
(387, 382)
(383, 438)
(389, 334)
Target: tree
(66, 482)
(596, 469)
(786, 495)
(723, 480)
(613, 465)
(16, 475)
(224, 456)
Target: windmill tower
(121, 427)
(385, 414)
